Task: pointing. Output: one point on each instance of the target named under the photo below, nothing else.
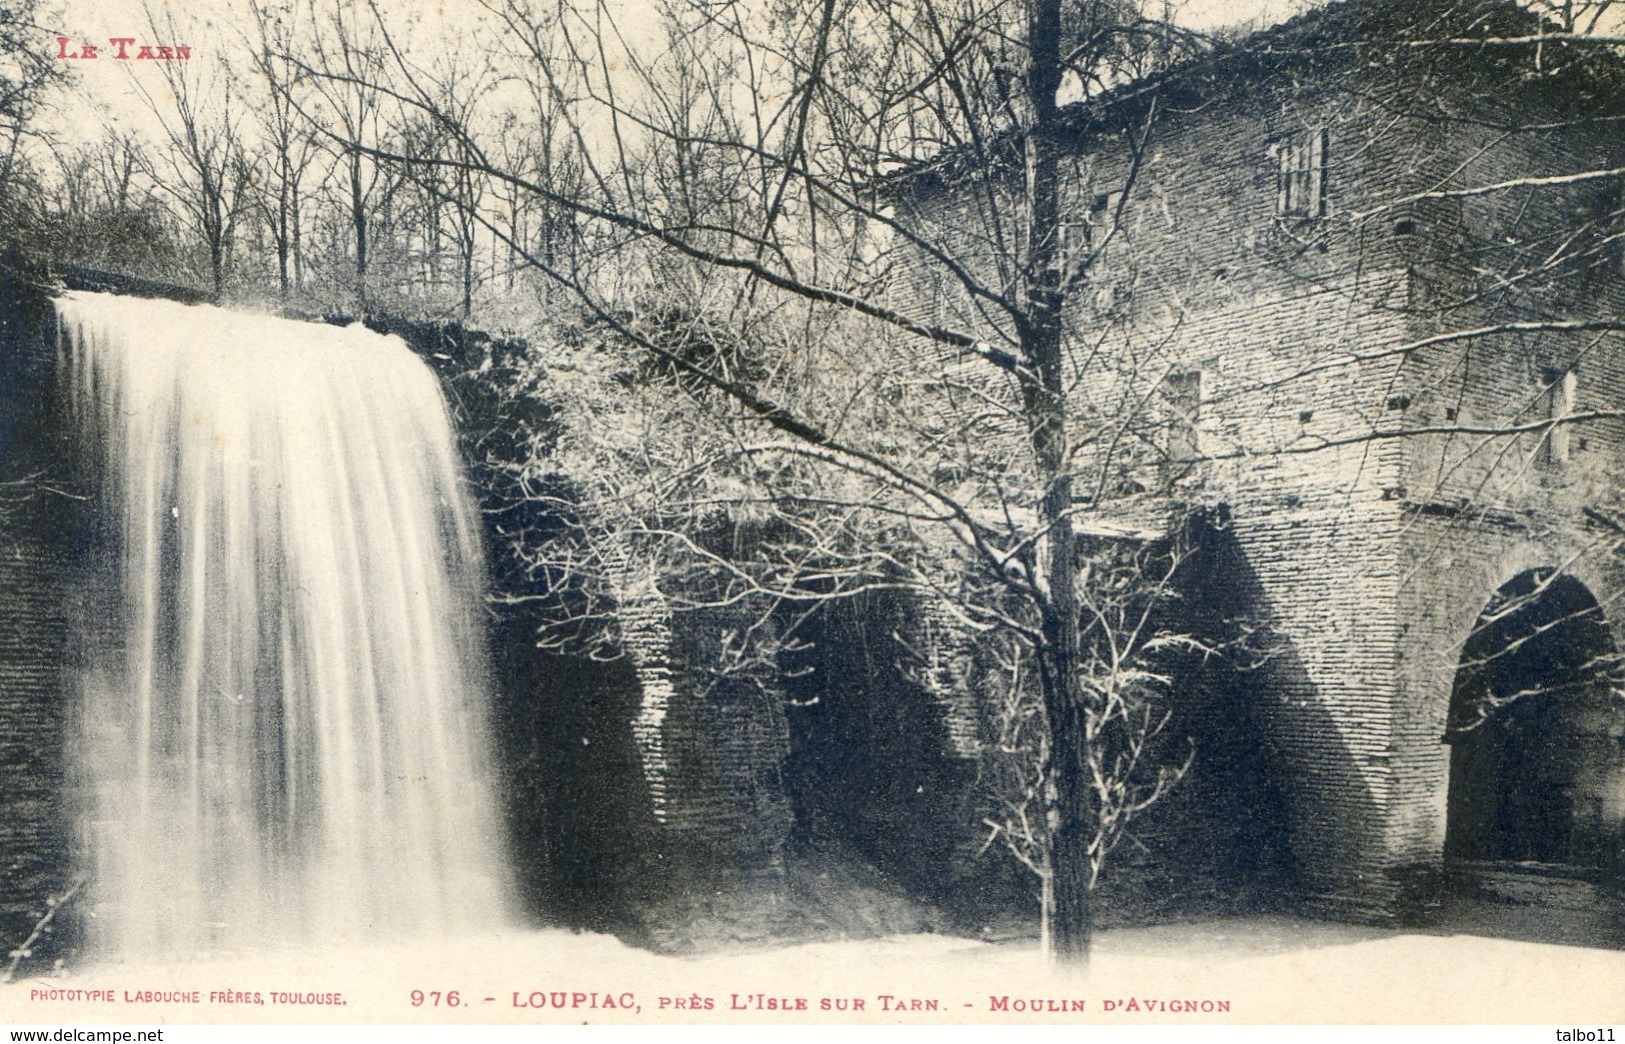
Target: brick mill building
(1336, 282)
(1335, 316)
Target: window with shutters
(1558, 396)
(1104, 206)
(1301, 182)
(1084, 239)
(1182, 392)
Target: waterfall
(279, 733)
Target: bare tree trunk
(298, 246)
(214, 231)
(466, 205)
(282, 238)
(358, 220)
(468, 284)
(1073, 816)
(1075, 823)
(431, 239)
(466, 246)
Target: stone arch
(1537, 768)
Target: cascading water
(280, 732)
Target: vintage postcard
(812, 511)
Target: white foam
(281, 728)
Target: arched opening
(1537, 767)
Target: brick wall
(36, 573)
(711, 745)
(1296, 327)
(1482, 508)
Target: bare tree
(731, 161)
(202, 168)
(462, 85)
(28, 74)
(345, 42)
(1137, 649)
(286, 140)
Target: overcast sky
(105, 97)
